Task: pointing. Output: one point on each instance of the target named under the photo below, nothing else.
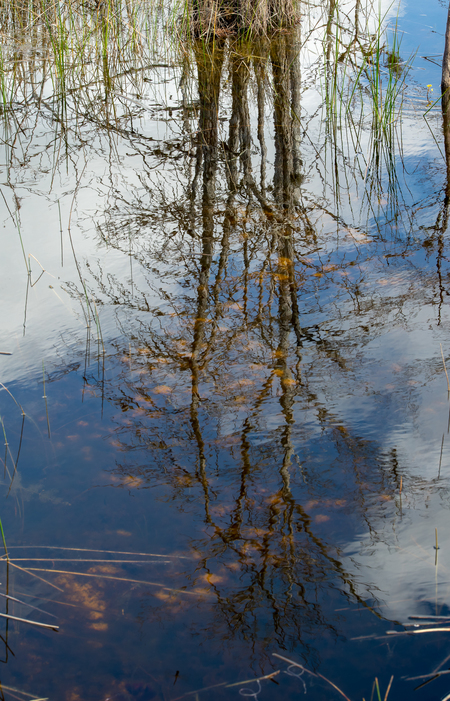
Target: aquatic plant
(208, 18)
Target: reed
(208, 18)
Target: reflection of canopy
(265, 554)
(257, 294)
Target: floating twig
(79, 559)
(417, 631)
(389, 688)
(35, 575)
(296, 664)
(24, 693)
(117, 579)
(445, 368)
(45, 399)
(427, 676)
(249, 681)
(13, 398)
(440, 457)
(428, 618)
(31, 623)
(95, 550)
(36, 608)
(436, 547)
(229, 686)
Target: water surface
(232, 274)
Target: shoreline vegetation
(246, 18)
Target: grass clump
(205, 18)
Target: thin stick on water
(228, 686)
(31, 570)
(80, 559)
(45, 399)
(377, 686)
(32, 574)
(417, 631)
(440, 458)
(36, 608)
(249, 681)
(3, 538)
(95, 550)
(6, 445)
(436, 547)
(61, 234)
(416, 626)
(31, 623)
(13, 398)
(296, 664)
(427, 676)
(33, 697)
(429, 618)
(389, 688)
(445, 369)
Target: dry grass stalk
(51, 626)
(117, 579)
(220, 18)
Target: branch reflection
(217, 407)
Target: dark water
(238, 297)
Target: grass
(363, 91)
(92, 53)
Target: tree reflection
(260, 252)
(217, 407)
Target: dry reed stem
(24, 693)
(24, 603)
(429, 618)
(296, 664)
(95, 550)
(426, 676)
(389, 688)
(13, 398)
(51, 601)
(417, 631)
(30, 622)
(34, 575)
(118, 579)
(259, 679)
(109, 562)
(445, 368)
(228, 686)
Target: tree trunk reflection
(234, 452)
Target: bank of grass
(74, 45)
(363, 88)
(86, 42)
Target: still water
(225, 282)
